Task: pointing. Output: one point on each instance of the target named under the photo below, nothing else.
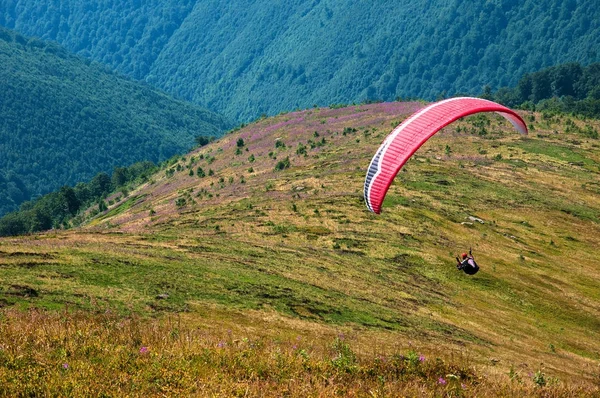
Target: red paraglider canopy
(405, 139)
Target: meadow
(251, 267)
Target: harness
(469, 266)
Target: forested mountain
(64, 119)
(249, 57)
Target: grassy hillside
(253, 56)
(63, 120)
(251, 266)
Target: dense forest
(250, 57)
(568, 88)
(69, 205)
(63, 119)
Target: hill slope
(63, 120)
(269, 223)
(255, 57)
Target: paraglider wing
(405, 139)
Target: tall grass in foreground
(82, 354)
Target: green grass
(120, 208)
(556, 151)
(306, 255)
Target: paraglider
(405, 139)
(467, 264)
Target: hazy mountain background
(64, 119)
(249, 57)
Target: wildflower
(442, 381)
(221, 344)
(143, 350)
(421, 358)
(65, 365)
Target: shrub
(301, 150)
(345, 359)
(283, 164)
(590, 132)
(203, 140)
(539, 378)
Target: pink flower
(143, 350)
(421, 358)
(65, 365)
(441, 381)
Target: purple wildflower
(221, 344)
(442, 381)
(143, 350)
(65, 365)
(421, 358)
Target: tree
(100, 184)
(564, 79)
(524, 88)
(541, 85)
(69, 198)
(203, 140)
(120, 177)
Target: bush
(202, 140)
(283, 164)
